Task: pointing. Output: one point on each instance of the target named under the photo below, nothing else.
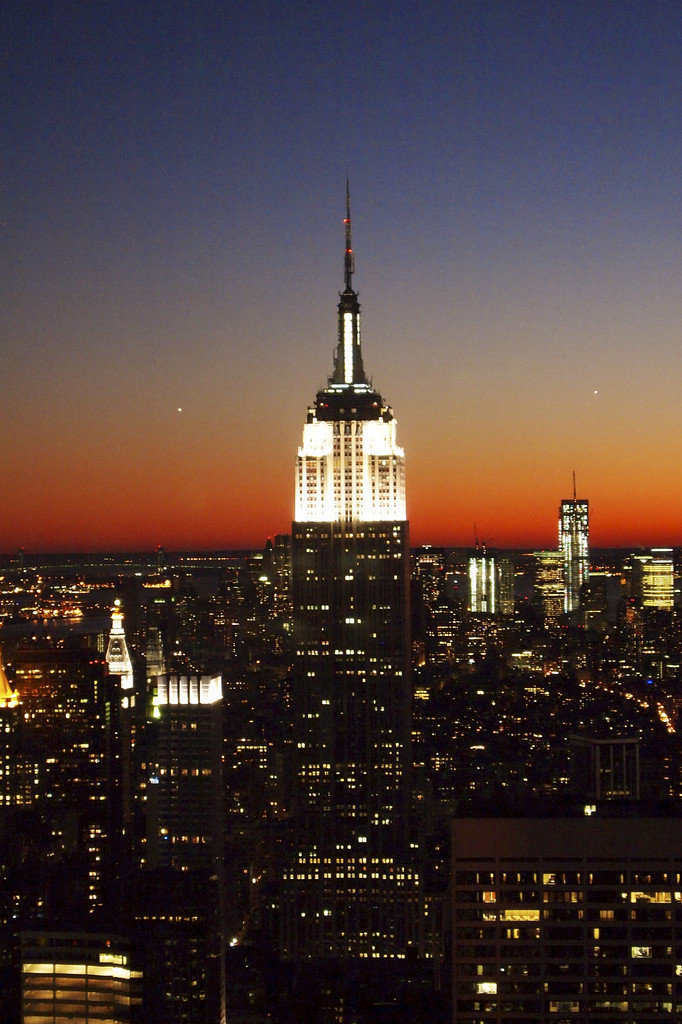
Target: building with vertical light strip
(482, 584)
(351, 888)
(549, 583)
(574, 545)
(10, 789)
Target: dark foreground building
(567, 919)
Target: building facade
(75, 976)
(483, 584)
(177, 900)
(566, 919)
(549, 583)
(657, 581)
(184, 791)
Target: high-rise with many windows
(656, 579)
(567, 919)
(350, 887)
(574, 533)
(482, 584)
(177, 900)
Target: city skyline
(514, 179)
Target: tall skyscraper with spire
(574, 544)
(117, 656)
(349, 891)
(121, 721)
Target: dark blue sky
(173, 195)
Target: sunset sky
(172, 187)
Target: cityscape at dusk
(340, 538)
(173, 196)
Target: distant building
(653, 579)
(281, 558)
(429, 572)
(75, 976)
(506, 584)
(443, 634)
(574, 532)
(549, 583)
(594, 601)
(483, 584)
(154, 656)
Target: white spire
(117, 656)
(350, 467)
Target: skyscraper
(575, 548)
(184, 774)
(121, 731)
(549, 583)
(482, 584)
(566, 918)
(349, 888)
(10, 789)
(177, 900)
(653, 579)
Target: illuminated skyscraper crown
(117, 656)
(350, 467)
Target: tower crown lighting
(117, 656)
(350, 467)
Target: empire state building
(349, 891)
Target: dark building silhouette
(176, 900)
(566, 919)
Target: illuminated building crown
(350, 468)
(117, 656)
(8, 697)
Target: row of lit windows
(569, 878)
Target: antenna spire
(349, 260)
(574, 492)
